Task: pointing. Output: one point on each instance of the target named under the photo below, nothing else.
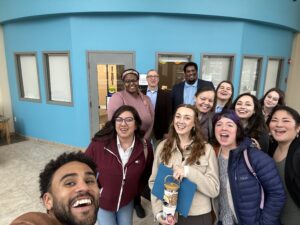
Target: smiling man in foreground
(69, 192)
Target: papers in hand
(185, 194)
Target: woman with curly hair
(187, 153)
(271, 99)
(248, 109)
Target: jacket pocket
(202, 165)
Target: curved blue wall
(280, 12)
(178, 30)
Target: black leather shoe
(140, 212)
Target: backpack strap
(145, 149)
(246, 157)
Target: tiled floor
(20, 165)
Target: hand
(170, 220)
(178, 172)
(255, 143)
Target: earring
(193, 129)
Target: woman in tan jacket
(186, 152)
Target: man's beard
(190, 82)
(64, 215)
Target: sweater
(141, 103)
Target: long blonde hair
(198, 145)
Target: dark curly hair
(190, 64)
(198, 146)
(256, 123)
(109, 129)
(46, 175)
(281, 100)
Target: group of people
(243, 155)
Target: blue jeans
(121, 217)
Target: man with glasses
(161, 101)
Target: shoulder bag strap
(246, 157)
(145, 149)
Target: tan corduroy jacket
(204, 173)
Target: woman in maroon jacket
(124, 160)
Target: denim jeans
(121, 217)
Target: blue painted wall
(145, 34)
(281, 12)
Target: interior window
(216, 68)
(273, 73)
(170, 69)
(58, 78)
(250, 75)
(28, 78)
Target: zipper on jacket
(122, 185)
(123, 178)
(231, 184)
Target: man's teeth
(82, 202)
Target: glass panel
(273, 71)
(28, 74)
(109, 82)
(250, 75)
(170, 69)
(59, 78)
(216, 68)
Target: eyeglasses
(130, 81)
(152, 76)
(126, 120)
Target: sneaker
(140, 212)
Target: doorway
(105, 69)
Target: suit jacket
(163, 113)
(177, 92)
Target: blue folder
(185, 194)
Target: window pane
(273, 71)
(29, 82)
(216, 68)
(59, 78)
(250, 75)
(170, 69)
